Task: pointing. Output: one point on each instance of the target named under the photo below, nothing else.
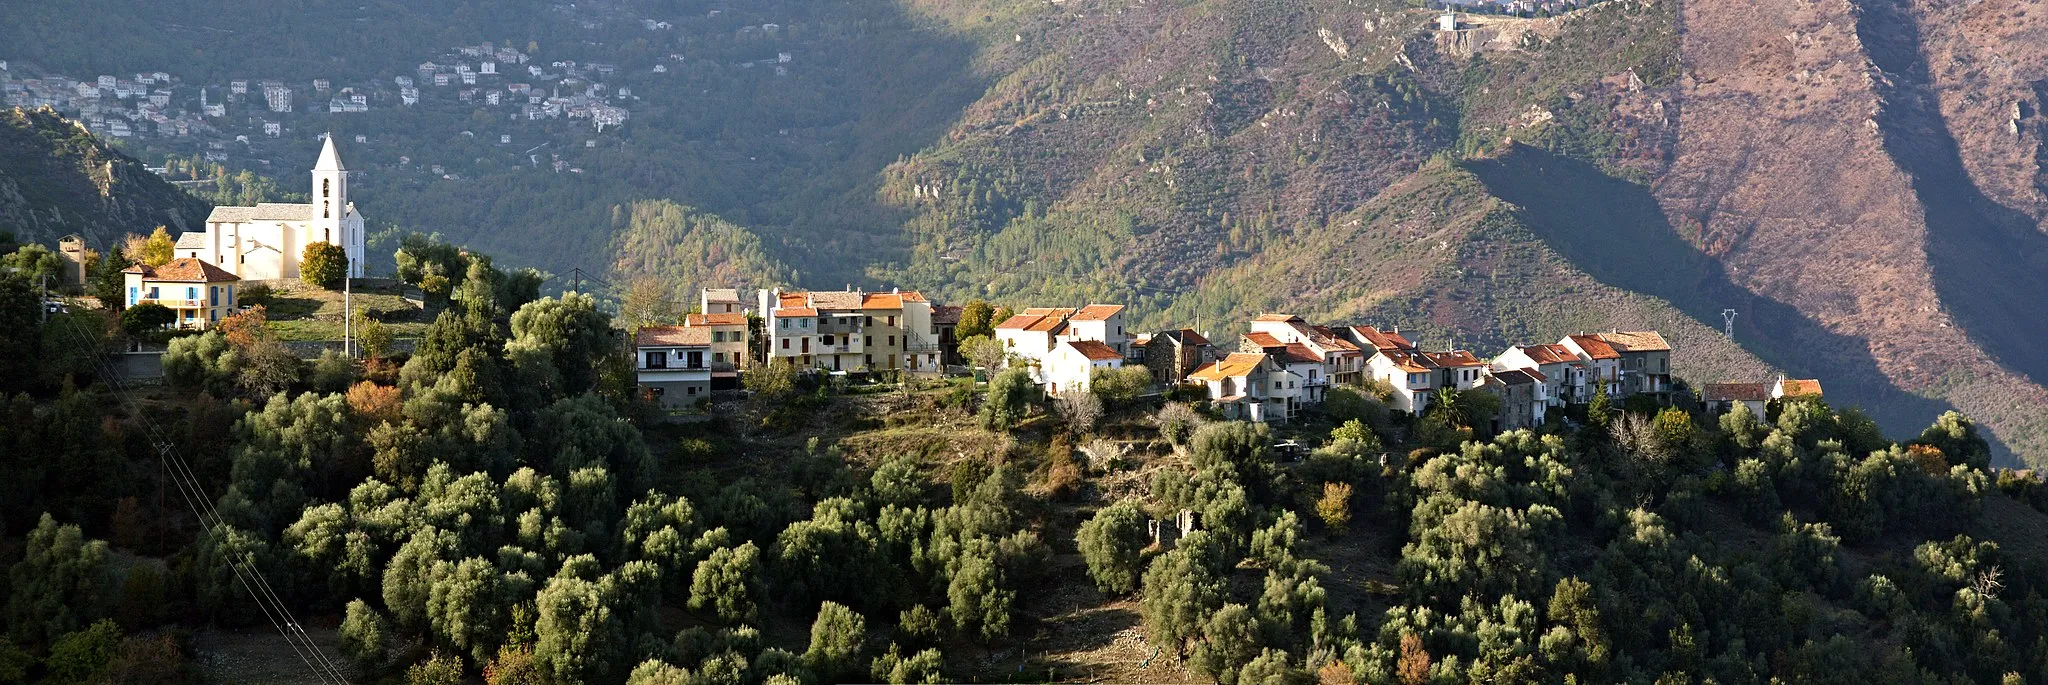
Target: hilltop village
(1281, 365)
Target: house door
(807, 345)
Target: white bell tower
(330, 199)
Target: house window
(867, 340)
(785, 343)
(192, 293)
(324, 211)
(869, 320)
(131, 296)
(656, 360)
(870, 360)
(892, 321)
(153, 293)
(785, 324)
(718, 357)
(827, 340)
(696, 360)
(213, 294)
(691, 390)
(892, 341)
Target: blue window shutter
(131, 295)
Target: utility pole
(46, 298)
(348, 314)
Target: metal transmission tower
(1728, 323)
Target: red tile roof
(1297, 353)
(1635, 341)
(1409, 361)
(1038, 319)
(944, 314)
(1094, 350)
(1264, 340)
(1454, 359)
(184, 270)
(1328, 339)
(786, 312)
(1186, 336)
(1595, 347)
(722, 319)
(881, 301)
(1383, 340)
(1237, 364)
(1735, 392)
(1096, 312)
(1548, 354)
(1277, 317)
(1796, 388)
(672, 336)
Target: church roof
(191, 240)
(329, 159)
(268, 211)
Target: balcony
(174, 303)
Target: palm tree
(1448, 402)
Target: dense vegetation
(57, 179)
(499, 503)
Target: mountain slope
(56, 179)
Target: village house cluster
(1281, 365)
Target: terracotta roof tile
(1517, 377)
(947, 314)
(1635, 341)
(1297, 353)
(1409, 361)
(1595, 347)
(836, 299)
(881, 301)
(1264, 340)
(1798, 388)
(672, 336)
(1735, 392)
(1454, 359)
(1096, 312)
(1548, 354)
(1094, 350)
(787, 312)
(1187, 336)
(723, 319)
(184, 270)
(1237, 364)
(1382, 340)
(1328, 339)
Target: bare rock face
(1814, 157)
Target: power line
(190, 489)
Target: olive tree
(1113, 544)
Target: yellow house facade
(200, 294)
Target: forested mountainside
(1862, 180)
(57, 179)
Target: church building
(265, 242)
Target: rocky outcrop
(56, 179)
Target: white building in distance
(266, 241)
